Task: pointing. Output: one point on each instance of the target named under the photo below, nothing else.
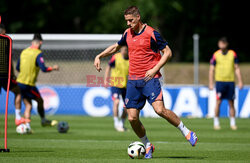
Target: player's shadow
(182, 157)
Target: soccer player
(145, 61)
(13, 88)
(116, 76)
(30, 62)
(223, 65)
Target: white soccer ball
(21, 129)
(136, 150)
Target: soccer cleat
(192, 138)
(46, 122)
(119, 129)
(27, 120)
(217, 127)
(149, 151)
(233, 127)
(19, 121)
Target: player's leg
(27, 113)
(18, 116)
(230, 96)
(219, 93)
(232, 115)
(17, 101)
(124, 111)
(40, 108)
(173, 119)
(134, 102)
(167, 114)
(116, 100)
(154, 95)
(217, 114)
(133, 118)
(26, 96)
(123, 117)
(117, 125)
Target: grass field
(95, 140)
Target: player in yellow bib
(116, 77)
(29, 65)
(223, 67)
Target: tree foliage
(176, 20)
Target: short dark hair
(38, 37)
(132, 10)
(224, 39)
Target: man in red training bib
(145, 61)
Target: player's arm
(106, 76)
(211, 73)
(158, 44)
(110, 50)
(107, 52)
(111, 64)
(237, 71)
(211, 77)
(167, 54)
(238, 75)
(41, 64)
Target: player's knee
(160, 111)
(159, 108)
(116, 101)
(133, 119)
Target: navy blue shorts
(138, 91)
(225, 90)
(117, 92)
(29, 92)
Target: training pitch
(95, 140)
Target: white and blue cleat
(149, 151)
(192, 138)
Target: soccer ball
(62, 127)
(136, 150)
(21, 129)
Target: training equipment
(21, 129)
(5, 72)
(62, 127)
(136, 150)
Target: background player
(13, 87)
(116, 75)
(28, 65)
(223, 64)
(145, 61)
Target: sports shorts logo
(126, 101)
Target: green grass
(95, 140)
